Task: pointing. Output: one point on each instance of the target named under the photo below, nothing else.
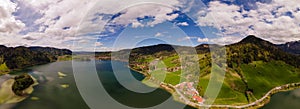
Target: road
(256, 103)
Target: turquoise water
(52, 96)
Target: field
(3, 69)
(242, 85)
(263, 76)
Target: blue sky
(105, 25)
(175, 32)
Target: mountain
(255, 40)
(291, 47)
(254, 67)
(51, 50)
(246, 51)
(253, 48)
(21, 57)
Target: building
(199, 99)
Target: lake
(51, 95)
(285, 100)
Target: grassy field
(232, 89)
(3, 69)
(173, 78)
(159, 73)
(259, 76)
(242, 85)
(65, 58)
(172, 61)
(262, 76)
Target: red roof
(198, 98)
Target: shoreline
(9, 97)
(257, 104)
(265, 99)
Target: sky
(105, 25)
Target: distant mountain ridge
(249, 49)
(51, 50)
(291, 47)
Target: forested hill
(255, 49)
(52, 51)
(254, 67)
(248, 50)
(21, 57)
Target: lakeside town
(188, 91)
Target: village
(188, 91)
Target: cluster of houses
(187, 88)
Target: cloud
(59, 23)
(159, 14)
(201, 40)
(107, 49)
(278, 21)
(225, 40)
(186, 38)
(158, 34)
(39, 4)
(29, 38)
(84, 20)
(8, 22)
(98, 44)
(183, 24)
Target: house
(198, 99)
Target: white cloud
(187, 38)
(158, 12)
(158, 34)
(225, 40)
(183, 24)
(90, 16)
(98, 44)
(65, 13)
(83, 17)
(39, 4)
(51, 32)
(262, 22)
(201, 40)
(61, 20)
(8, 22)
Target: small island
(16, 59)
(21, 83)
(17, 89)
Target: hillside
(254, 66)
(21, 57)
(255, 49)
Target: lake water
(285, 100)
(52, 96)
